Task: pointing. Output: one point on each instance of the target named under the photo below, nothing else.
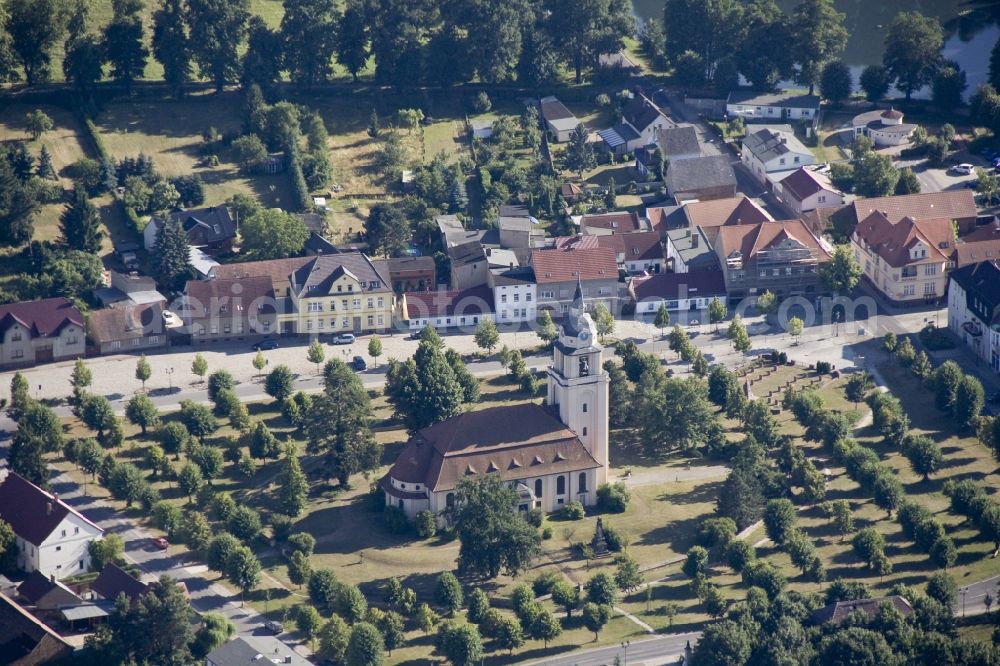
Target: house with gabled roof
(639, 252)
(50, 329)
(559, 270)
(772, 106)
(442, 309)
(211, 229)
(128, 328)
(559, 121)
(223, 309)
(701, 179)
(678, 143)
(906, 261)
(781, 257)
(974, 309)
(641, 119)
(766, 152)
(339, 293)
(677, 292)
(50, 536)
(716, 213)
(615, 222)
(804, 190)
(46, 593)
(27, 641)
(113, 581)
(958, 205)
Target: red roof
(893, 242)
(669, 286)
(803, 183)
(951, 204)
(467, 302)
(43, 318)
(568, 265)
(750, 239)
(577, 242)
(32, 512)
(619, 222)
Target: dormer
(918, 251)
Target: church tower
(578, 384)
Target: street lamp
(964, 591)
(625, 650)
(170, 378)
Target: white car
(963, 169)
(171, 320)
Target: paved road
(971, 598)
(664, 649)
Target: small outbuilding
(883, 127)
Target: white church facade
(551, 454)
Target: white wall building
(766, 151)
(974, 309)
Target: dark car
(416, 335)
(265, 344)
(274, 627)
(359, 364)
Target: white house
(804, 190)
(515, 294)
(51, 537)
(442, 309)
(769, 107)
(677, 291)
(50, 329)
(641, 120)
(767, 152)
(549, 454)
(884, 128)
(974, 309)
(559, 121)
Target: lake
(868, 20)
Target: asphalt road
(662, 649)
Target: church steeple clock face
(584, 336)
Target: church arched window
(583, 483)
(401, 504)
(538, 488)
(560, 485)
(449, 500)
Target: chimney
(52, 578)
(694, 240)
(48, 509)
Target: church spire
(578, 305)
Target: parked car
(964, 169)
(266, 344)
(415, 335)
(161, 543)
(343, 339)
(171, 320)
(359, 364)
(274, 627)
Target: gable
(74, 527)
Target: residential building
(443, 309)
(804, 190)
(51, 537)
(839, 611)
(515, 294)
(618, 222)
(278, 271)
(780, 257)
(252, 649)
(678, 143)
(701, 178)
(884, 128)
(983, 244)
(768, 107)
(641, 120)
(688, 249)
(906, 261)
(571, 192)
(408, 273)
(469, 265)
(639, 252)
(45, 593)
(50, 329)
(339, 293)
(677, 291)
(767, 152)
(317, 245)
(129, 289)
(559, 121)
(557, 272)
(959, 206)
(229, 309)
(113, 580)
(209, 229)
(27, 641)
(974, 309)
(128, 329)
(712, 215)
(664, 218)
(519, 232)
(551, 454)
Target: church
(551, 454)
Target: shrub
(545, 582)
(614, 540)
(281, 527)
(716, 532)
(547, 532)
(573, 511)
(425, 523)
(935, 339)
(535, 517)
(823, 367)
(613, 497)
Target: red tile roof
(577, 242)
(618, 222)
(803, 183)
(669, 286)
(32, 512)
(568, 265)
(975, 252)
(467, 302)
(893, 242)
(43, 318)
(750, 239)
(951, 204)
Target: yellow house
(338, 293)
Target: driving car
(274, 627)
(964, 169)
(359, 364)
(343, 339)
(265, 344)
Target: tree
(722, 643)
(243, 570)
(309, 31)
(546, 329)
(261, 442)
(818, 36)
(717, 312)
(190, 480)
(218, 28)
(80, 223)
(662, 319)
(375, 349)
(738, 334)
(199, 366)
(874, 175)
(968, 404)
(486, 336)
(352, 39)
(199, 419)
(596, 617)
(279, 383)
(244, 523)
(875, 82)
(111, 548)
(387, 230)
(259, 362)
(842, 272)
(461, 644)
(836, 82)
(333, 640)
(672, 412)
(924, 454)
(945, 382)
(271, 233)
(123, 44)
(589, 29)
(143, 371)
(544, 627)
(858, 387)
(44, 168)
(603, 320)
(948, 85)
(843, 517)
(493, 535)
(308, 621)
(912, 50)
(855, 645)
(365, 646)
(215, 630)
(250, 154)
(579, 154)
(315, 353)
(37, 123)
(567, 596)
(141, 411)
(627, 576)
(907, 183)
(172, 255)
(424, 389)
(448, 593)
(81, 378)
(779, 520)
(171, 44)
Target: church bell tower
(578, 384)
